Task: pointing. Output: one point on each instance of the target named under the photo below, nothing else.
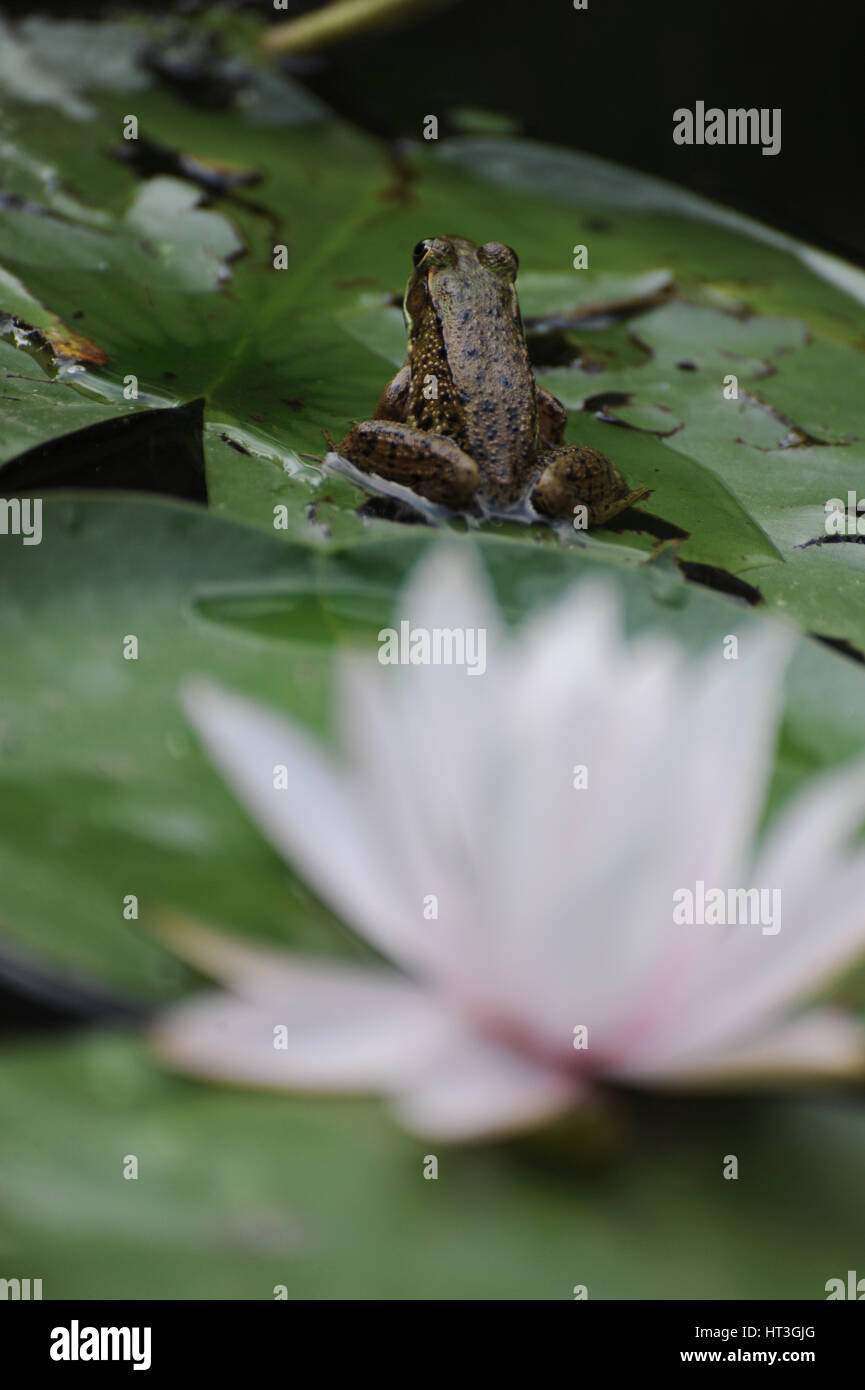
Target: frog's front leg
(432, 465)
(552, 416)
(576, 475)
(393, 401)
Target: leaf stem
(340, 20)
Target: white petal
(677, 758)
(346, 1029)
(822, 1044)
(438, 720)
(476, 1090)
(450, 582)
(728, 745)
(418, 819)
(268, 974)
(426, 741)
(816, 825)
(755, 975)
(349, 1029)
(320, 822)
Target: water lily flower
(512, 845)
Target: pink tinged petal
(475, 1090)
(319, 822)
(542, 839)
(821, 1043)
(707, 801)
(582, 893)
(564, 855)
(345, 1029)
(706, 798)
(816, 826)
(822, 931)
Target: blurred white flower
(554, 904)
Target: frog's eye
(435, 251)
(497, 256)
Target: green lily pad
(783, 444)
(185, 298)
(239, 1195)
(105, 791)
(159, 256)
(138, 266)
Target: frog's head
(451, 273)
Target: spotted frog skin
(464, 422)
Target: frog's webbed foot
(575, 475)
(432, 465)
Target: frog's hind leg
(432, 465)
(552, 416)
(575, 475)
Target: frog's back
(492, 379)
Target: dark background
(608, 79)
(605, 80)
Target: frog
(464, 423)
